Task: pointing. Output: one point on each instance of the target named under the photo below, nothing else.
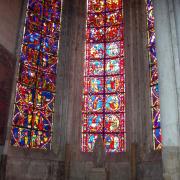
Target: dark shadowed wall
(7, 64)
(10, 12)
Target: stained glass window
(35, 90)
(154, 87)
(104, 77)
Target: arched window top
(35, 91)
(104, 77)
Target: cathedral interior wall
(65, 160)
(10, 13)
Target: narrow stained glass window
(35, 90)
(154, 87)
(103, 109)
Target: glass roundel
(35, 90)
(154, 85)
(103, 111)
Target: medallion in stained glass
(35, 90)
(104, 77)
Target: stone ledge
(97, 174)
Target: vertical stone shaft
(133, 161)
(67, 161)
(3, 167)
(168, 65)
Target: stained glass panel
(103, 109)
(155, 104)
(36, 86)
(95, 67)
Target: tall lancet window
(103, 109)
(154, 87)
(35, 90)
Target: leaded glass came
(35, 91)
(104, 77)
(154, 87)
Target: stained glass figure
(103, 109)
(36, 84)
(154, 87)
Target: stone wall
(9, 18)
(149, 167)
(31, 169)
(115, 170)
(168, 53)
(39, 165)
(7, 67)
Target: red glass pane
(93, 103)
(42, 121)
(115, 66)
(88, 141)
(156, 117)
(115, 142)
(155, 95)
(40, 139)
(157, 139)
(27, 76)
(95, 51)
(24, 95)
(112, 50)
(151, 36)
(50, 45)
(46, 81)
(48, 63)
(94, 68)
(96, 20)
(155, 101)
(92, 123)
(114, 123)
(114, 18)
(32, 40)
(20, 137)
(115, 84)
(52, 10)
(112, 5)
(94, 85)
(22, 116)
(115, 103)
(29, 57)
(154, 74)
(114, 33)
(96, 6)
(33, 21)
(35, 90)
(50, 29)
(36, 6)
(44, 100)
(104, 77)
(95, 35)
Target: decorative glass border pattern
(154, 86)
(103, 109)
(36, 83)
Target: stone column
(168, 66)
(176, 6)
